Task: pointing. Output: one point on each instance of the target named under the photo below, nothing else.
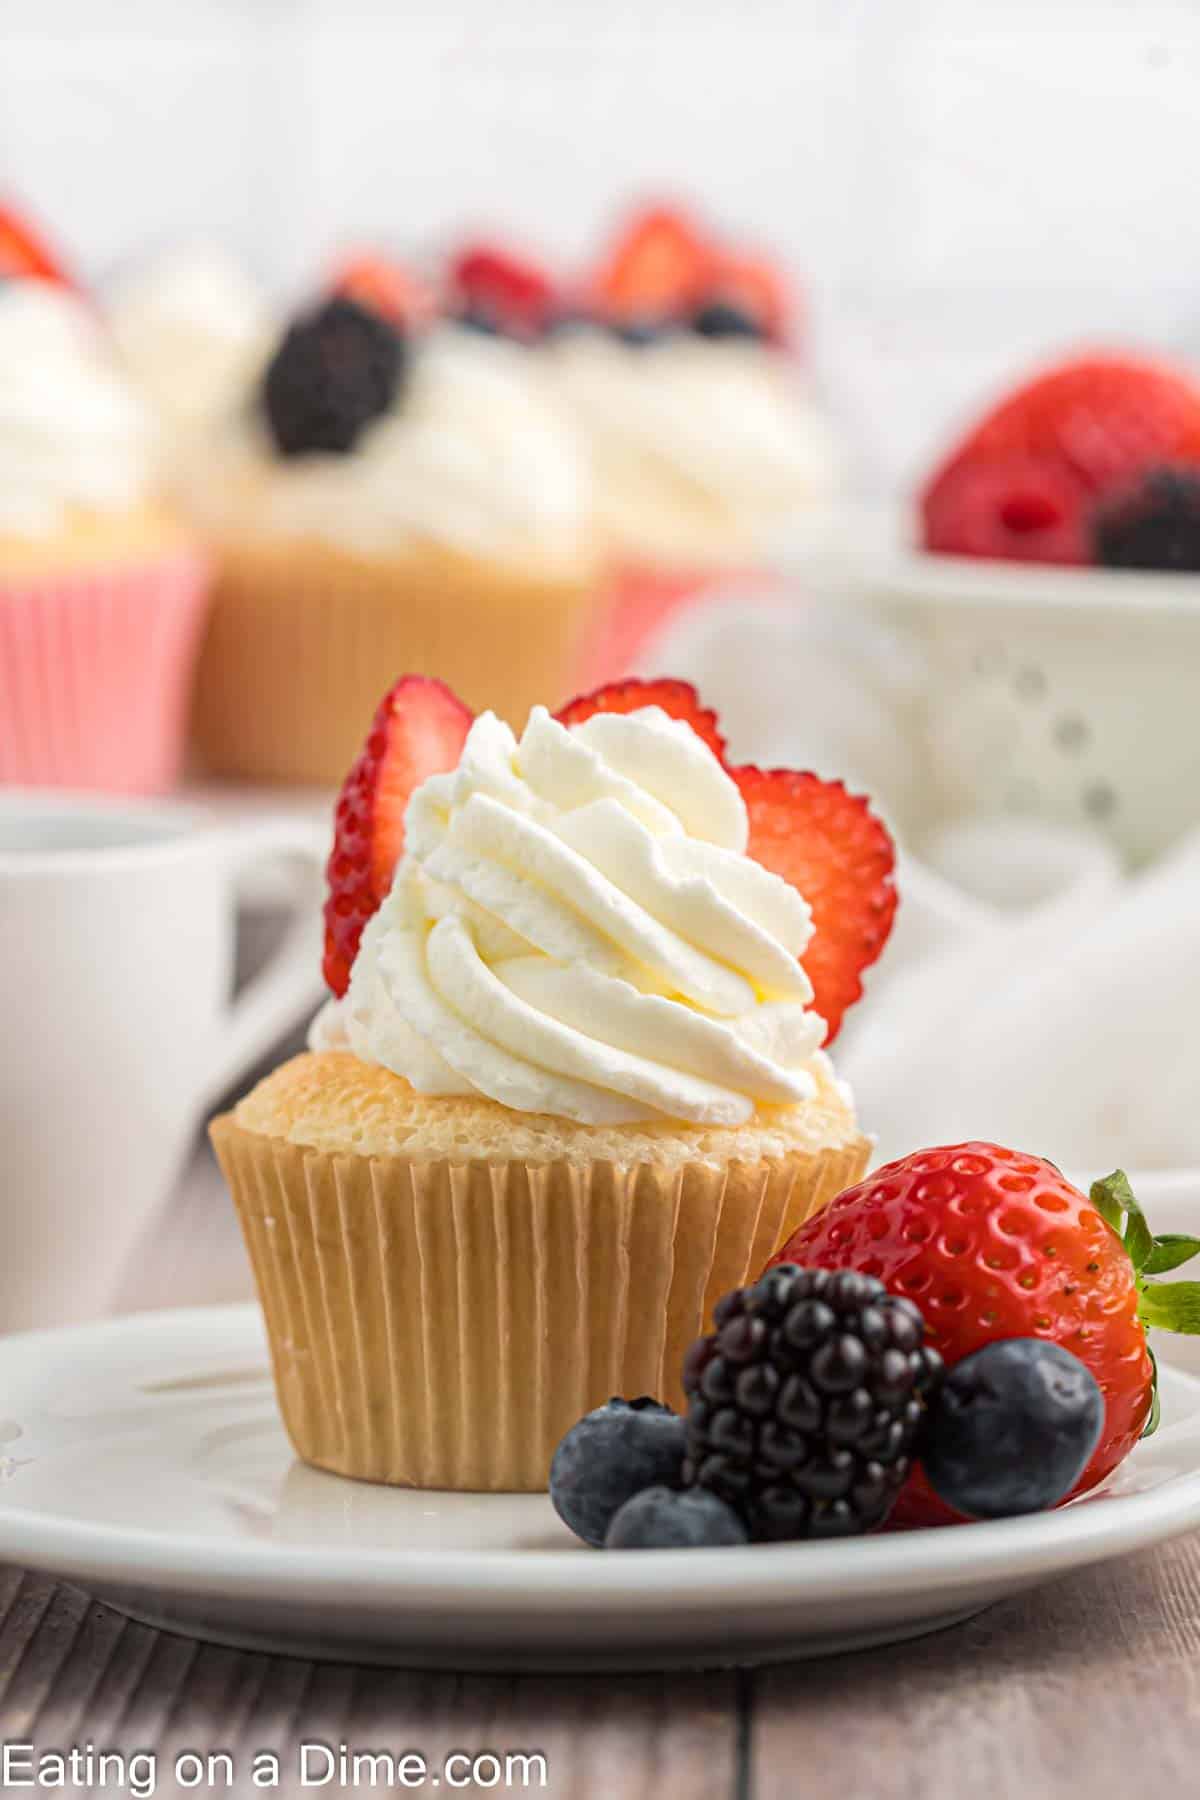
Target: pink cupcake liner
(641, 603)
(95, 671)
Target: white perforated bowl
(1071, 694)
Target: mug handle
(274, 999)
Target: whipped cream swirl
(194, 333)
(72, 433)
(471, 456)
(699, 448)
(575, 929)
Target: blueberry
(1012, 1429)
(662, 1518)
(641, 330)
(566, 319)
(612, 1454)
(480, 318)
(721, 319)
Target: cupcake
(703, 438)
(101, 590)
(571, 1087)
(393, 497)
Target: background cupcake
(703, 435)
(392, 497)
(101, 591)
(571, 1089)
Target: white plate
(143, 1459)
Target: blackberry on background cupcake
(397, 493)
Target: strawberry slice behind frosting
(25, 254)
(825, 842)
(831, 847)
(419, 730)
(678, 699)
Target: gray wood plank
(73, 1671)
(1090, 1686)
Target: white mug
(118, 1025)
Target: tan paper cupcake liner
(441, 1325)
(304, 640)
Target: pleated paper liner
(95, 672)
(304, 639)
(441, 1325)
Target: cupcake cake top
(601, 920)
(74, 438)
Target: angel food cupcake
(703, 434)
(571, 1086)
(101, 591)
(393, 497)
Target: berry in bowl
(1048, 577)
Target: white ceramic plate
(143, 1459)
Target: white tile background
(962, 184)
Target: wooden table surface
(1087, 1687)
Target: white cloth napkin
(1032, 993)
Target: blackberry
(1154, 526)
(336, 369)
(805, 1401)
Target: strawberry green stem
(1164, 1305)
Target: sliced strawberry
(757, 288)
(677, 698)
(515, 291)
(659, 266)
(25, 254)
(385, 287)
(830, 846)
(827, 843)
(418, 731)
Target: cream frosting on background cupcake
(574, 1092)
(700, 448)
(704, 434)
(194, 333)
(450, 530)
(101, 589)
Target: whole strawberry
(1024, 483)
(993, 1244)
